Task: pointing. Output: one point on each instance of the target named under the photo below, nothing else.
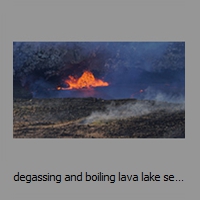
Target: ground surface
(73, 118)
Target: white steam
(136, 109)
(157, 95)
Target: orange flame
(87, 80)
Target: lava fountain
(87, 80)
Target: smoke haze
(141, 70)
(137, 109)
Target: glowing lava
(136, 93)
(87, 80)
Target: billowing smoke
(141, 70)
